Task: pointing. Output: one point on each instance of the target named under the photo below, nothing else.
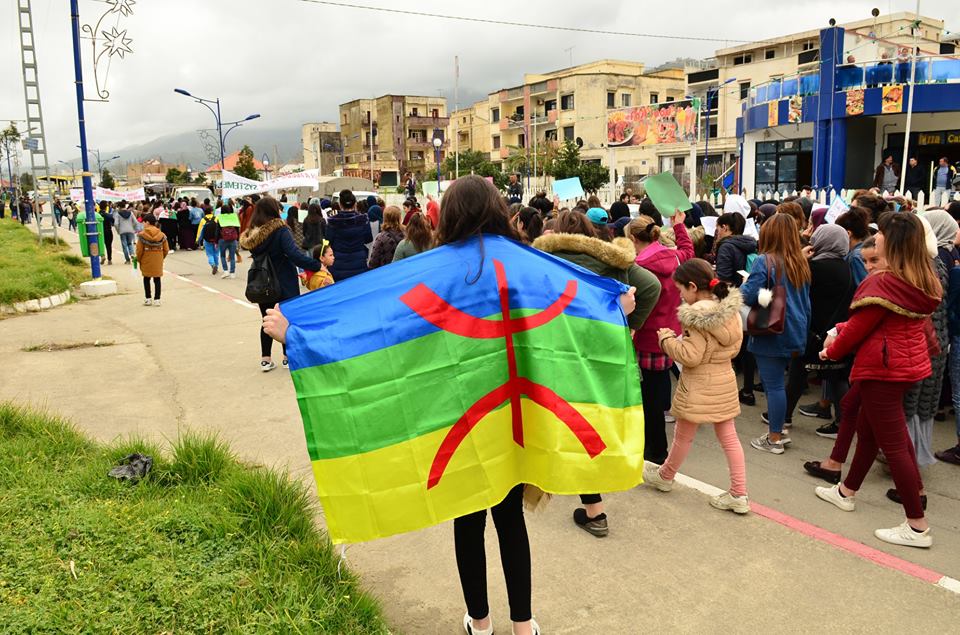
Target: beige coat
(712, 333)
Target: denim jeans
(937, 195)
(211, 250)
(955, 376)
(127, 243)
(771, 371)
(228, 247)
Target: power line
(547, 27)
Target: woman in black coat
(268, 234)
(349, 234)
(313, 227)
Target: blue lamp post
(706, 147)
(100, 163)
(437, 143)
(221, 135)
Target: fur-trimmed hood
(618, 254)
(714, 317)
(256, 236)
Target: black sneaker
(894, 495)
(747, 398)
(815, 410)
(596, 526)
(829, 430)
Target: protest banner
(104, 194)
(234, 185)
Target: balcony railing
(423, 145)
(802, 84)
(930, 70)
(427, 122)
(536, 120)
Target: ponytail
(699, 272)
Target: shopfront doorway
(784, 166)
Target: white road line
(244, 304)
(210, 289)
(950, 584)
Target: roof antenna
(569, 51)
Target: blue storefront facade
(831, 126)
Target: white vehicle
(198, 192)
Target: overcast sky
(294, 61)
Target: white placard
(751, 229)
(709, 225)
(836, 210)
(634, 211)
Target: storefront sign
(795, 109)
(891, 100)
(234, 185)
(953, 136)
(855, 102)
(673, 122)
(773, 114)
(929, 138)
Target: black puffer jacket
(732, 255)
(349, 234)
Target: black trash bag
(132, 467)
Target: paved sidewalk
(671, 563)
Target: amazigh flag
(430, 387)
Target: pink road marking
(223, 295)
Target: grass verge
(202, 545)
(29, 271)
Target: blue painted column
(828, 158)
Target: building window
(669, 99)
(611, 100)
(419, 136)
(496, 142)
(435, 113)
(809, 46)
(518, 115)
(783, 165)
(568, 133)
(744, 90)
(743, 59)
(550, 135)
(566, 102)
(416, 155)
(414, 112)
(494, 115)
(344, 118)
(713, 130)
(550, 104)
(769, 54)
(625, 99)
(522, 140)
(654, 98)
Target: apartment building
(151, 171)
(321, 147)
(573, 104)
(469, 128)
(742, 77)
(384, 137)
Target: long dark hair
(293, 218)
(471, 207)
(314, 214)
(419, 231)
(575, 222)
(699, 272)
(532, 224)
(265, 210)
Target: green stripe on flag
(399, 393)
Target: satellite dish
(579, 142)
(833, 22)
(875, 12)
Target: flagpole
(456, 124)
(913, 88)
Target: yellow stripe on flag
(384, 491)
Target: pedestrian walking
(781, 264)
(229, 226)
(349, 234)
(417, 237)
(208, 234)
(108, 222)
(268, 237)
(888, 333)
(707, 389)
(186, 230)
(385, 244)
(126, 225)
(314, 225)
(152, 248)
(296, 227)
(654, 364)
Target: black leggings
(156, 287)
(514, 557)
(655, 389)
(108, 243)
(266, 342)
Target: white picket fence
(824, 197)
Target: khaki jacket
(712, 333)
(152, 248)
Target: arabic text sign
(234, 185)
(672, 122)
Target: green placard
(666, 194)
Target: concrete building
(469, 128)
(573, 104)
(742, 81)
(321, 147)
(384, 137)
(151, 171)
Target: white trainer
(651, 475)
(470, 629)
(832, 495)
(147, 302)
(267, 366)
(224, 275)
(727, 501)
(156, 303)
(906, 536)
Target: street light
(437, 142)
(73, 173)
(100, 163)
(221, 136)
(265, 160)
(706, 147)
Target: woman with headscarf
(831, 289)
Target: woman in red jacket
(889, 328)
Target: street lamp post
(437, 142)
(706, 147)
(221, 135)
(73, 173)
(265, 160)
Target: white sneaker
(785, 438)
(224, 275)
(651, 475)
(668, 418)
(764, 444)
(147, 302)
(905, 535)
(232, 276)
(267, 366)
(156, 303)
(832, 495)
(727, 501)
(470, 630)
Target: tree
(177, 177)
(593, 176)
(566, 164)
(106, 180)
(26, 182)
(245, 166)
(201, 178)
(475, 162)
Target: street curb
(34, 306)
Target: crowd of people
(864, 310)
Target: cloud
(295, 61)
